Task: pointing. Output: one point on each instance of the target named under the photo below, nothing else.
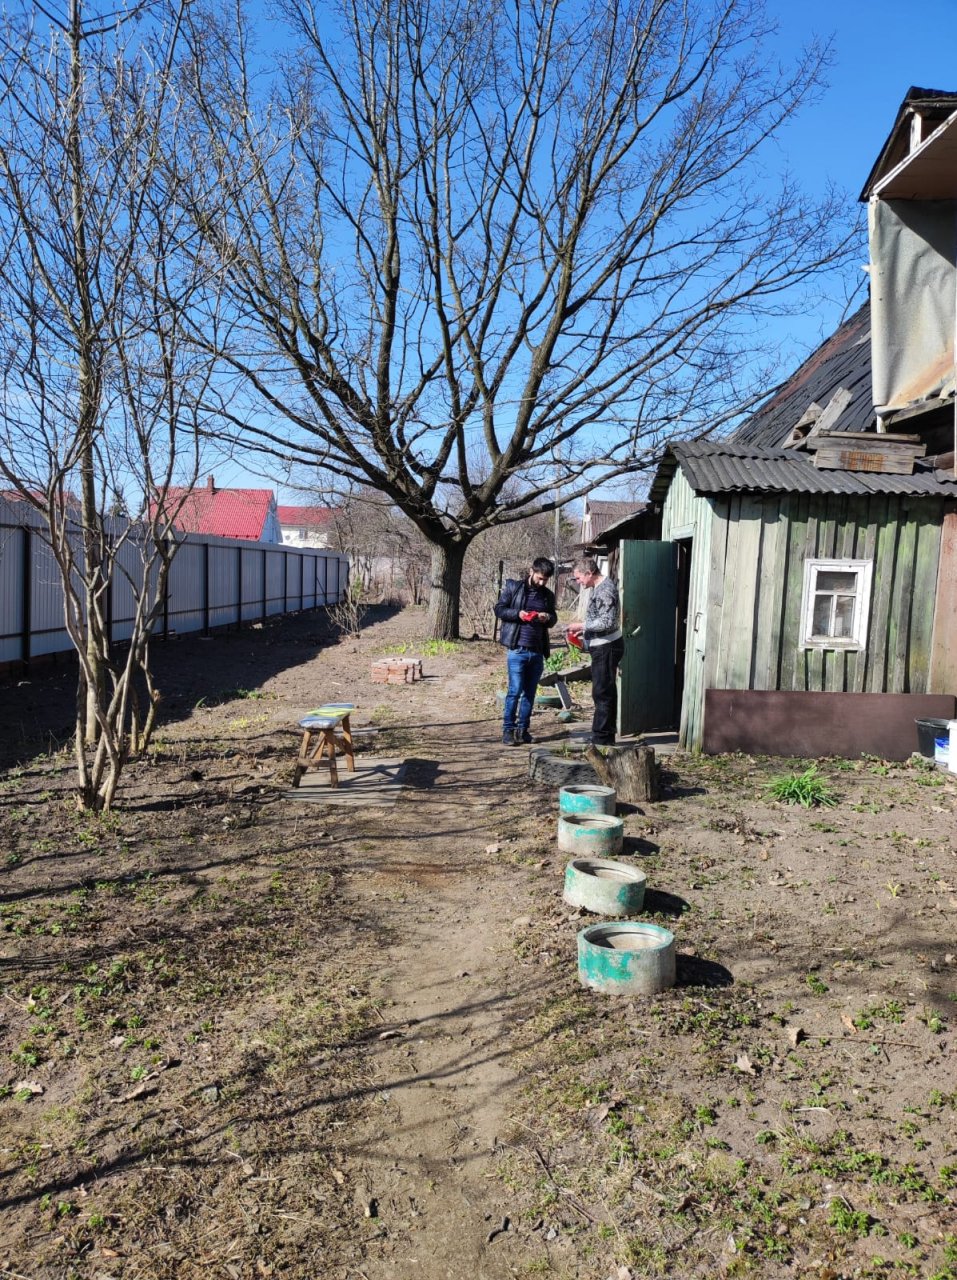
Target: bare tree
(99, 388)
(387, 553)
(536, 234)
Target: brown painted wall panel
(770, 723)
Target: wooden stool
(321, 742)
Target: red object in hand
(526, 615)
(574, 639)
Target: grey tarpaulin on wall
(913, 246)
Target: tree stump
(632, 771)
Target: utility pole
(557, 525)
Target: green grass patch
(807, 789)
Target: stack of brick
(396, 670)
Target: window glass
(821, 624)
(829, 580)
(843, 616)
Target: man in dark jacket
(526, 610)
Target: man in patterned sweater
(601, 637)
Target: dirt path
(451, 997)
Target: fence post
(300, 581)
(263, 614)
(109, 602)
(239, 588)
(165, 565)
(205, 588)
(27, 597)
(285, 581)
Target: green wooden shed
(790, 608)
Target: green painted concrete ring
(628, 958)
(605, 887)
(587, 799)
(590, 834)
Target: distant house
(800, 597)
(248, 514)
(598, 514)
(306, 526)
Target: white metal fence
(213, 582)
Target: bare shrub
(347, 615)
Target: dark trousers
(604, 691)
(524, 672)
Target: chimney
(210, 484)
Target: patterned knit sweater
(602, 618)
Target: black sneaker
(509, 738)
(523, 737)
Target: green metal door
(648, 582)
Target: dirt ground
(243, 1036)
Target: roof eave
(930, 100)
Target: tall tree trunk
(447, 561)
(89, 379)
(91, 570)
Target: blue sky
(879, 48)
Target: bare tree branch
(541, 228)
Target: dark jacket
(511, 603)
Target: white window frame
(857, 640)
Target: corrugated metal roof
(730, 466)
(844, 360)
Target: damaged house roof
(843, 361)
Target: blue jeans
(524, 672)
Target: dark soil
(244, 1036)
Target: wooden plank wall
(756, 577)
(943, 656)
(685, 512)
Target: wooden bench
(326, 733)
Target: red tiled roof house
(248, 514)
